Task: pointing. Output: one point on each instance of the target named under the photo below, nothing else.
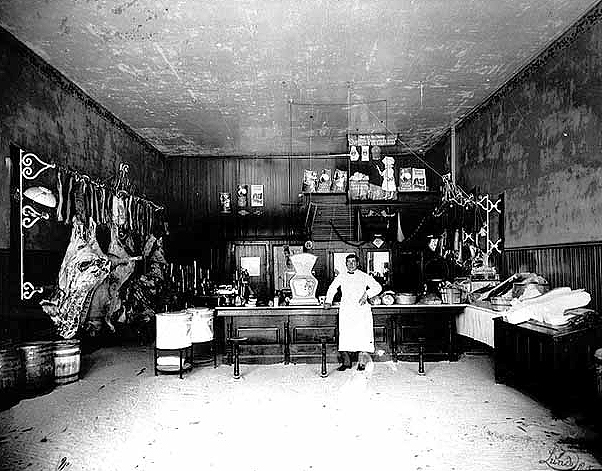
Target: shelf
(403, 199)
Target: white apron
(356, 332)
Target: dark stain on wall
(45, 113)
(538, 140)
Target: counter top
(318, 309)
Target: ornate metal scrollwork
(31, 216)
(28, 290)
(27, 162)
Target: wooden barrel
(37, 366)
(67, 354)
(10, 376)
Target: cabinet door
(254, 255)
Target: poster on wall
(256, 195)
(251, 264)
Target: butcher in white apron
(356, 333)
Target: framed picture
(256, 195)
(251, 264)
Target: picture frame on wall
(256, 195)
(251, 264)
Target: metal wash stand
(173, 334)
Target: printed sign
(372, 139)
(256, 195)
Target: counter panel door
(305, 339)
(434, 326)
(266, 338)
(382, 337)
(246, 256)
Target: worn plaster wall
(43, 112)
(539, 140)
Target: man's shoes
(361, 367)
(345, 362)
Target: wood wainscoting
(573, 265)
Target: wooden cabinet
(555, 364)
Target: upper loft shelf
(405, 198)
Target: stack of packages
(551, 308)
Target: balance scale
(303, 284)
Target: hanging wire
(454, 187)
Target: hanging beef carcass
(146, 292)
(106, 300)
(83, 269)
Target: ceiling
(246, 77)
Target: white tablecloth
(477, 323)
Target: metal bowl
(405, 298)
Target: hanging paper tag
(365, 153)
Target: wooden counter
(293, 333)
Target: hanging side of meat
(106, 299)
(82, 271)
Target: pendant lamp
(41, 195)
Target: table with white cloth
(476, 322)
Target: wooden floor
(119, 416)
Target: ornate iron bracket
(29, 216)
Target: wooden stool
(236, 342)
(421, 341)
(324, 373)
